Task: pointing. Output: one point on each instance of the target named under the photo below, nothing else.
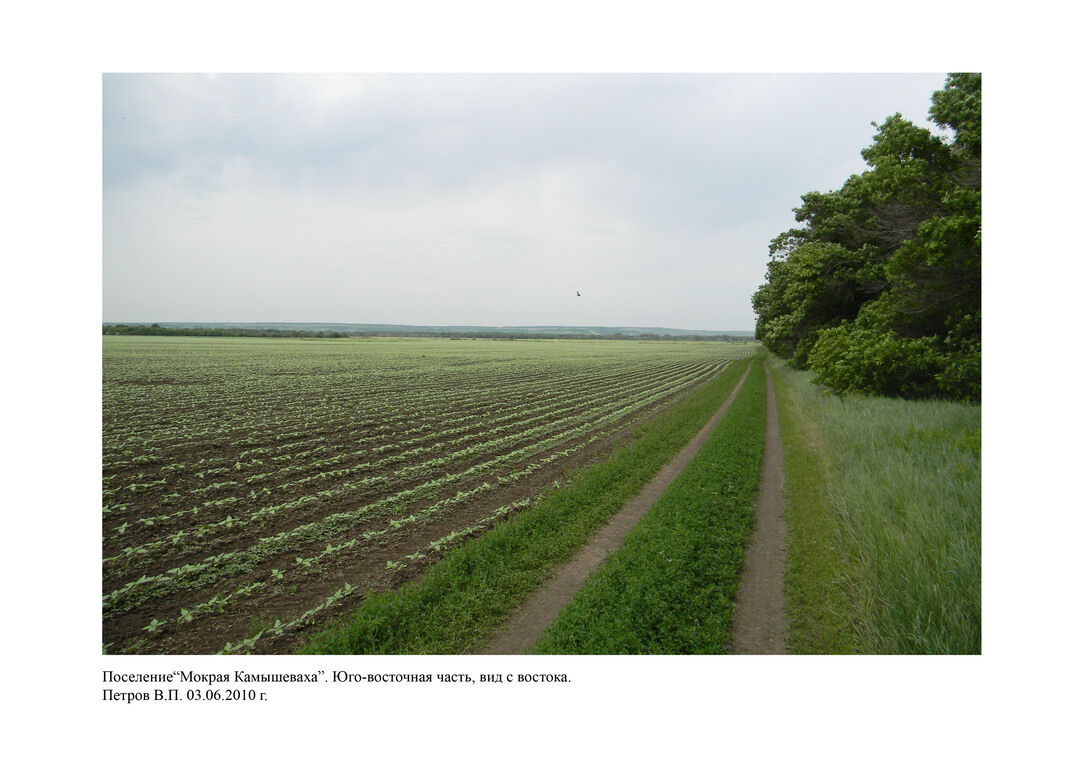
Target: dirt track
(539, 610)
(760, 624)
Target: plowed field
(254, 487)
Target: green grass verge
(884, 522)
(454, 608)
(820, 613)
(670, 588)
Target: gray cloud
(483, 199)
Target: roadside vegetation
(670, 588)
(879, 295)
(461, 599)
(884, 523)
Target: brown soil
(539, 610)
(760, 625)
(364, 566)
(333, 442)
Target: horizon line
(639, 327)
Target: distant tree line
(157, 330)
(556, 335)
(879, 291)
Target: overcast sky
(469, 199)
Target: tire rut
(760, 625)
(521, 631)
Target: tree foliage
(879, 290)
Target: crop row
(183, 577)
(423, 469)
(238, 472)
(268, 414)
(390, 436)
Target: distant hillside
(387, 329)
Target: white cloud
(468, 199)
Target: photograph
(541, 364)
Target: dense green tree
(879, 290)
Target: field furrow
(250, 487)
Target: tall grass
(900, 484)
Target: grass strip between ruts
(670, 588)
(457, 604)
